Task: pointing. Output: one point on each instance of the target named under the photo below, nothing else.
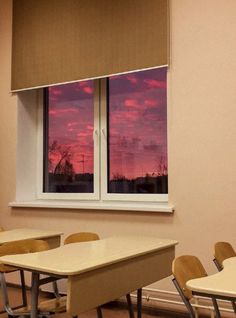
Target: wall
(202, 131)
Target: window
(107, 139)
(98, 144)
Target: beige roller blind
(59, 41)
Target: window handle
(95, 134)
(104, 133)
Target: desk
(99, 271)
(52, 237)
(221, 285)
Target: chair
(184, 268)
(22, 247)
(81, 237)
(86, 237)
(222, 251)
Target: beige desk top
(230, 262)
(222, 283)
(77, 258)
(24, 234)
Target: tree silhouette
(63, 154)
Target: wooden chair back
(222, 251)
(187, 267)
(81, 237)
(29, 246)
(21, 247)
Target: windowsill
(117, 206)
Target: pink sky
(137, 123)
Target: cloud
(86, 87)
(89, 127)
(152, 147)
(131, 103)
(152, 83)
(72, 124)
(82, 134)
(115, 77)
(132, 78)
(151, 103)
(133, 116)
(62, 111)
(56, 91)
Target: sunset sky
(137, 124)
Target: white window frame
(29, 170)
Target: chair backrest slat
(81, 237)
(21, 247)
(187, 267)
(222, 251)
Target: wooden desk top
(24, 234)
(221, 283)
(77, 258)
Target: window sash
(104, 163)
(40, 155)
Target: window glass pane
(68, 144)
(137, 131)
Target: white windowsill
(118, 206)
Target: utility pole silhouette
(82, 161)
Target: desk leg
(34, 295)
(130, 306)
(139, 303)
(217, 312)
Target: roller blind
(60, 41)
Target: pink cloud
(72, 124)
(58, 112)
(82, 134)
(134, 115)
(151, 103)
(55, 91)
(151, 83)
(85, 86)
(89, 127)
(132, 79)
(131, 103)
(115, 77)
(88, 89)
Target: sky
(137, 124)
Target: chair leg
(218, 266)
(185, 300)
(99, 312)
(55, 289)
(130, 306)
(4, 293)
